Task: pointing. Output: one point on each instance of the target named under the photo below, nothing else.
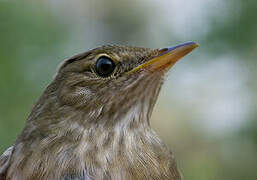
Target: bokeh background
(207, 110)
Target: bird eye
(104, 66)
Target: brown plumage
(92, 121)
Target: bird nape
(92, 121)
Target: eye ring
(104, 66)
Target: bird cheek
(75, 96)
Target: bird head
(111, 83)
(104, 87)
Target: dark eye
(104, 66)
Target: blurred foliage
(236, 31)
(29, 34)
(36, 36)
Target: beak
(167, 58)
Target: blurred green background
(207, 110)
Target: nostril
(163, 50)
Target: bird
(92, 120)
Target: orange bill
(167, 58)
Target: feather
(4, 162)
